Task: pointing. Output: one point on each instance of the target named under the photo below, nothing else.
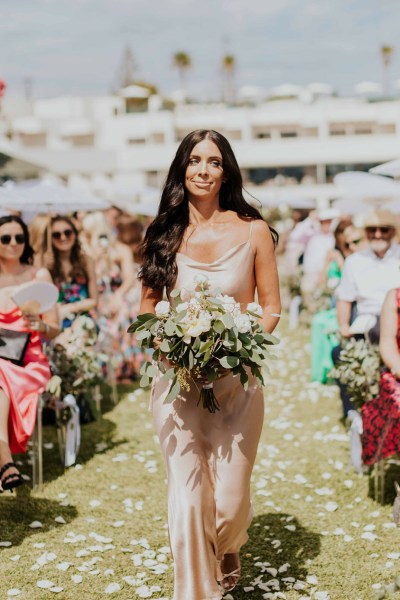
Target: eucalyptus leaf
(173, 391)
(228, 362)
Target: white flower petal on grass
(63, 566)
(45, 584)
(118, 523)
(56, 589)
(348, 483)
(290, 527)
(13, 592)
(5, 544)
(94, 503)
(331, 506)
(347, 538)
(369, 536)
(324, 491)
(112, 588)
(36, 525)
(369, 527)
(321, 596)
(390, 525)
(76, 578)
(144, 592)
(60, 519)
(312, 579)
(393, 555)
(15, 557)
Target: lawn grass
(118, 491)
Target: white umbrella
(42, 196)
(357, 184)
(391, 168)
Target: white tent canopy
(42, 196)
(391, 168)
(358, 184)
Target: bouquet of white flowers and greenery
(202, 332)
(359, 368)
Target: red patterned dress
(381, 416)
(23, 384)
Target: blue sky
(74, 46)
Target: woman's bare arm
(149, 299)
(266, 275)
(388, 342)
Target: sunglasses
(6, 239)
(348, 244)
(383, 230)
(57, 235)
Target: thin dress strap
(251, 229)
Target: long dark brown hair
(26, 257)
(77, 258)
(164, 236)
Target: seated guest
(366, 278)
(381, 416)
(20, 384)
(73, 271)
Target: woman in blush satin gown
(20, 385)
(204, 226)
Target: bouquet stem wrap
(207, 398)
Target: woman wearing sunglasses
(72, 270)
(23, 377)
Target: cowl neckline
(224, 256)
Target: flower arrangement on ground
(74, 362)
(202, 333)
(359, 369)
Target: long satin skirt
(209, 460)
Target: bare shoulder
(262, 239)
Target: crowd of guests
(93, 259)
(350, 286)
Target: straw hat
(380, 218)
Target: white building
(119, 146)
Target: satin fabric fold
(23, 384)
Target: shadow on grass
(96, 437)
(297, 548)
(18, 512)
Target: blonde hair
(37, 231)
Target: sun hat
(380, 218)
(328, 214)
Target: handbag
(13, 345)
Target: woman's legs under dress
(209, 460)
(5, 454)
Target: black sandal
(11, 481)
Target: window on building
(136, 141)
(387, 128)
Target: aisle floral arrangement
(75, 364)
(359, 369)
(202, 333)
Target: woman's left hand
(34, 323)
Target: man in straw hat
(366, 278)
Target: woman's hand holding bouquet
(204, 335)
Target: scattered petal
(45, 584)
(112, 588)
(35, 525)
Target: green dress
(323, 333)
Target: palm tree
(228, 73)
(386, 53)
(183, 63)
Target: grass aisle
(101, 527)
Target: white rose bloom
(194, 305)
(229, 304)
(198, 325)
(181, 307)
(163, 308)
(255, 308)
(243, 323)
